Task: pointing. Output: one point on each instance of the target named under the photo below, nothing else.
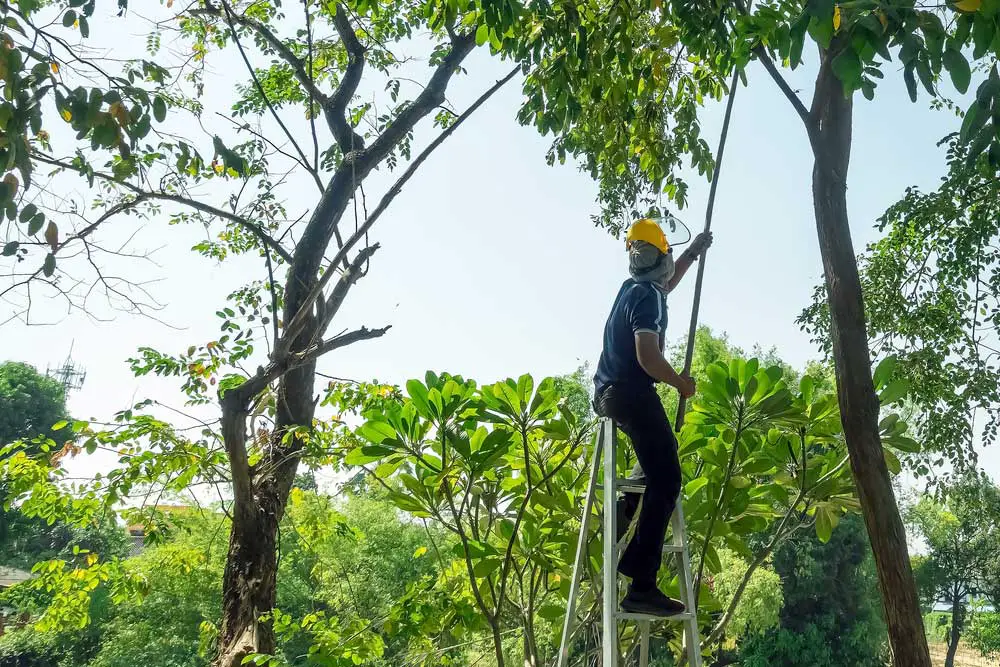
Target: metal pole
(693, 328)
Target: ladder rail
(581, 552)
(609, 620)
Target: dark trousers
(638, 412)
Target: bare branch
(343, 340)
(431, 97)
(300, 317)
(110, 213)
(797, 104)
(351, 275)
(256, 230)
(230, 17)
(765, 59)
(335, 108)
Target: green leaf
(958, 68)
(712, 560)
(926, 77)
(49, 266)
(376, 431)
(892, 462)
(847, 67)
(911, 82)
(69, 18)
(884, 371)
(35, 224)
(159, 109)
(27, 213)
(367, 454)
(826, 521)
(979, 144)
(482, 34)
(84, 27)
(551, 612)
(59, 425)
(905, 444)
(982, 34)
(896, 390)
(486, 567)
(10, 248)
(740, 482)
(695, 485)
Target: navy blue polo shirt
(639, 306)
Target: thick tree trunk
(249, 583)
(831, 140)
(957, 621)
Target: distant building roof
(10, 576)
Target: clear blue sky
(490, 266)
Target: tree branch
(335, 107)
(429, 98)
(296, 63)
(765, 58)
(230, 16)
(348, 278)
(768, 63)
(256, 230)
(299, 319)
(343, 340)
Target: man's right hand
(686, 386)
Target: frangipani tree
(503, 468)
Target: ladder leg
(644, 644)
(610, 564)
(581, 552)
(692, 638)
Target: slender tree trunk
(497, 643)
(957, 621)
(831, 140)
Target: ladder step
(629, 616)
(627, 485)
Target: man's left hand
(700, 244)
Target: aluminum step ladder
(611, 611)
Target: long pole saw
(693, 328)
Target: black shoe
(651, 601)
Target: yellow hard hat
(647, 230)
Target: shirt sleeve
(645, 310)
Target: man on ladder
(631, 363)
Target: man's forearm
(660, 370)
(681, 266)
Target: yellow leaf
(11, 181)
(67, 116)
(54, 66)
(419, 552)
(76, 23)
(969, 5)
(836, 17)
(91, 559)
(52, 236)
